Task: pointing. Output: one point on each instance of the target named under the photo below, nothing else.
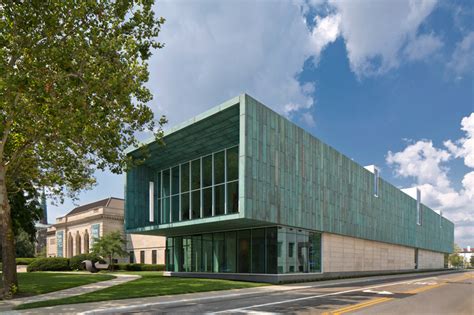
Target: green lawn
(34, 283)
(151, 284)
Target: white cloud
(462, 60)
(423, 46)
(426, 164)
(376, 31)
(217, 50)
(464, 147)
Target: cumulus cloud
(462, 60)
(218, 50)
(426, 164)
(423, 46)
(391, 25)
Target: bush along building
(240, 192)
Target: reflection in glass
(258, 251)
(315, 252)
(158, 186)
(219, 200)
(218, 253)
(196, 204)
(233, 197)
(302, 243)
(177, 253)
(169, 255)
(166, 210)
(207, 202)
(230, 252)
(185, 206)
(175, 208)
(233, 163)
(196, 174)
(196, 260)
(207, 171)
(187, 253)
(207, 253)
(243, 250)
(184, 177)
(175, 180)
(272, 251)
(219, 170)
(166, 182)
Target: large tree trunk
(10, 282)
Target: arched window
(86, 242)
(78, 243)
(70, 244)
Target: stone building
(74, 233)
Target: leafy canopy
(72, 88)
(110, 245)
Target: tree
(110, 245)
(455, 259)
(72, 97)
(472, 261)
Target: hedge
(139, 267)
(24, 261)
(49, 264)
(76, 262)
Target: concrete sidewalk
(6, 306)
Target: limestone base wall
(346, 254)
(430, 260)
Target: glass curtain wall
(201, 188)
(263, 250)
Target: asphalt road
(443, 293)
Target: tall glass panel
(258, 251)
(207, 171)
(291, 258)
(196, 174)
(272, 251)
(233, 197)
(233, 163)
(219, 167)
(207, 252)
(207, 202)
(158, 185)
(196, 255)
(219, 200)
(218, 253)
(178, 253)
(230, 252)
(185, 206)
(282, 250)
(175, 208)
(175, 180)
(243, 251)
(166, 182)
(166, 210)
(196, 204)
(315, 252)
(302, 244)
(184, 177)
(187, 253)
(169, 254)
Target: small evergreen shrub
(49, 264)
(139, 267)
(24, 261)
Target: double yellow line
(372, 302)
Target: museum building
(241, 192)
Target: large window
(264, 250)
(201, 188)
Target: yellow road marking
(381, 300)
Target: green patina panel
(287, 177)
(292, 178)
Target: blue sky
(385, 82)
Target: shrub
(24, 261)
(139, 267)
(49, 264)
(76, 262)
